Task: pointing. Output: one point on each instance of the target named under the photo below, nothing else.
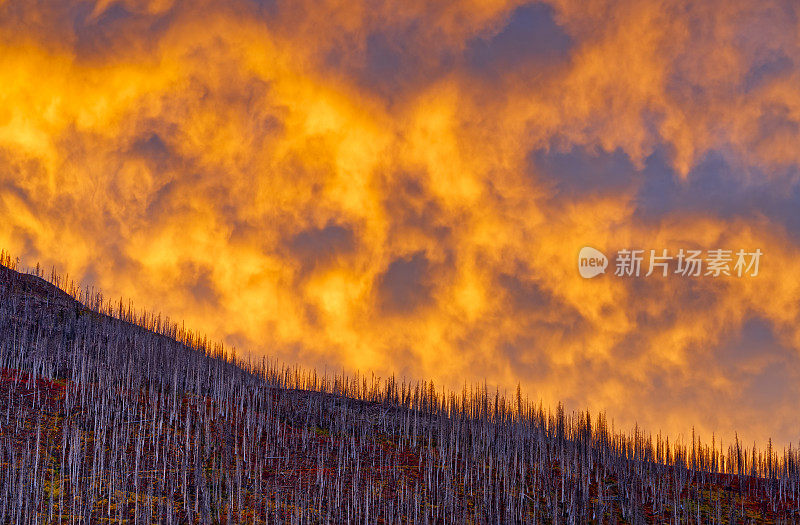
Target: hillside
(111, 416)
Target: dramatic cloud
(403, 187)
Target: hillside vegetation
(107, 415)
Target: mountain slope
(102, 419)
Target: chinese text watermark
(684, 263)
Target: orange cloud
(404, 187)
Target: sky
(403, 187)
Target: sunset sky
(403, 187)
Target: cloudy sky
(403, 187)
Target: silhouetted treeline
(108, 414)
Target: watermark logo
(591, 262)
(684, 263)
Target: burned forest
(112, 416)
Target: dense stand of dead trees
(110, 415)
